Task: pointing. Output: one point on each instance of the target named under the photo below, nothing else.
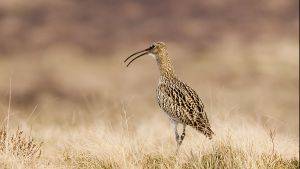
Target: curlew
(179, 101)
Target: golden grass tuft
(19, 146)
(86, 160)
(276, 161)
(157, 161)
(223, 155)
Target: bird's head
(156, 49)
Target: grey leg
(176, 132)
(183, 134)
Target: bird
(178, 100)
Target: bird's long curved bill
(141, 53)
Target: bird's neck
(165, 65)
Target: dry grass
(17, 149)
(97, 145)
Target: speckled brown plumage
(179, 101)
(182, 104)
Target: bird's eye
(152, 46)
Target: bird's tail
(209, 133)
(206, 130)
(204, 127)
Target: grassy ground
(152, 146)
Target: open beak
(141, 53)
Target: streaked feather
(182, 104)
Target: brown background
(65, 58)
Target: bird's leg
(176, 133)
(176, 136)
(183, 134)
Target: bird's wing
(182, 102)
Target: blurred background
(65, 59)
